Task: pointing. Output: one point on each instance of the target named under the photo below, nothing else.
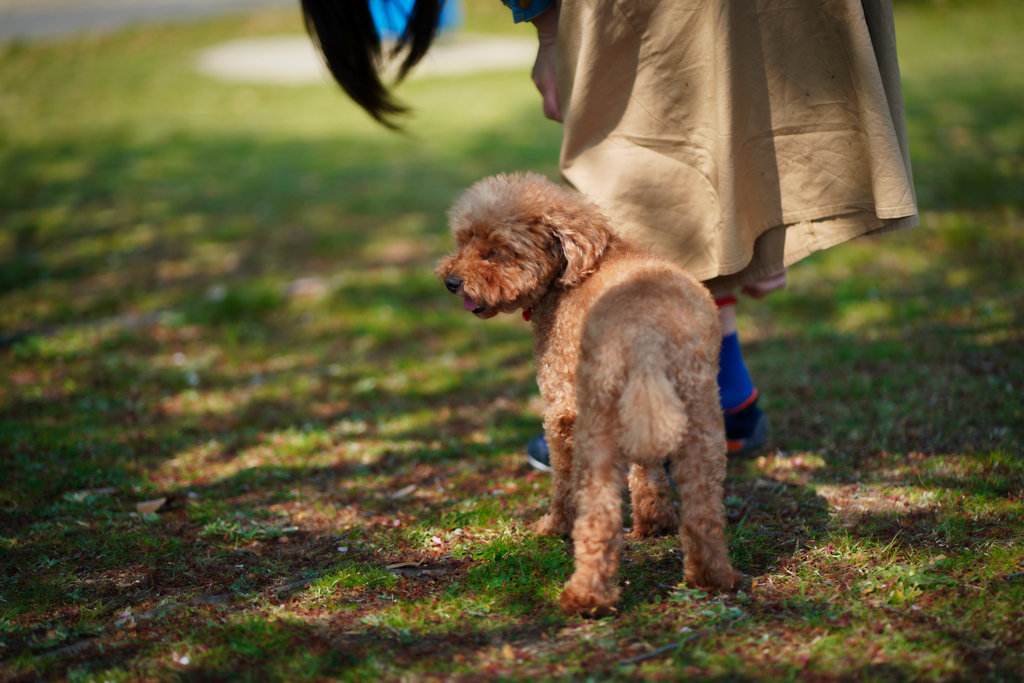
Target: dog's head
(516, 236)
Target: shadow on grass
(931, 529)
(933, 391)
(242, 648)
(166, 215)
(865, 399)
(899, 394)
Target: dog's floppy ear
(583, 238)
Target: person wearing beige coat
(735, 137)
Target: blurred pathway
(292, 60)
(40, 19)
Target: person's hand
(544, 68)
(759, 289)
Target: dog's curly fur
(626, 348)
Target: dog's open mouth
(472, 306)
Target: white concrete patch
(279, 60)
(292, 60)
(47, 19)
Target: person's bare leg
(727, 315)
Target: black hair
(345, 34)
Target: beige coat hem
(764, 263)
(736, 136)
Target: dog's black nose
(452, 283)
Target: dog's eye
(490, 256)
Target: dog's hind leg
(650, 495)
(597, 534)
(699, 470)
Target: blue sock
(734, 385)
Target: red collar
(527, 313)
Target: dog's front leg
(558, 430)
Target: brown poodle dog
(626, 347)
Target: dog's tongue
(469, 304)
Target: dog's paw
(666, 526)
(549, 526)
(727, 581)
(575, 600)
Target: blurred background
(188, 201)
(216, 288)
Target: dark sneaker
(745, 429)
(537, 453)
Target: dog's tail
(653, 416)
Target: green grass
(222, 295)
